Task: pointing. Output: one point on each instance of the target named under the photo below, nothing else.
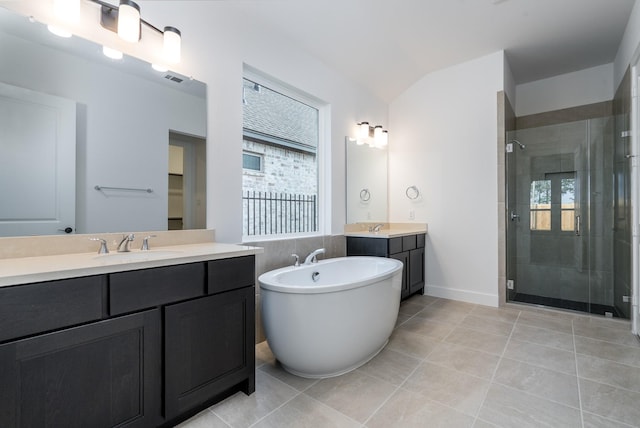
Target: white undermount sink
(138, 255)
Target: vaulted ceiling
(387, 45)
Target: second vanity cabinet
(408, 249)
(141, 348)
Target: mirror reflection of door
(187, 182)
(37, 163)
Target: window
(552, 203)
(540, 205)
(251, 161)
(281, 141)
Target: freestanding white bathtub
(328, 318)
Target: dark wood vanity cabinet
(210, 342)
(101, 374)
(408, 249)
(135, 356)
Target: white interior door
(37, 163)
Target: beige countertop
(24, 270)
(388, 230)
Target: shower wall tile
(572, 114)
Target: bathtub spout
(312, 258)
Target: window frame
(323, 151)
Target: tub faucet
(312, 258)
(297, 262)
(123, 246)
(376, 228)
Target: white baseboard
(468, 296)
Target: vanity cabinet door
(97, 375)
(404, 258)
(416, 270)
(209, 347)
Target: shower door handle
(514, 216)
(578, 225)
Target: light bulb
(129, 21)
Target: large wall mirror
(366, 183)
(84, 134)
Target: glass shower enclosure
(566, 217)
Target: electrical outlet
(510, 284)
(412, 215)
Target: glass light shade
(384, 140)
(58, 31)
(171, 44)
(111, 53)
(129, 21)
(377, 135)
(363, 130)
(68, 10)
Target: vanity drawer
(145, 288)
(229, 274)
(44, 306)
(395, 246)
(409, 242)
(420, 240)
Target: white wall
(628, 49)
(589, 86)
(217, 39)
(123, 124)
(445, 143)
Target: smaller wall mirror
(366, 193)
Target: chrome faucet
(297, 262)
(376, 228)
(312, 258)
(103, 245)
(145, 242)
(123, 246)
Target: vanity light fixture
(125, 20)
(129, 21)
(374, 136)
(171, 44)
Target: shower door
(560, 216)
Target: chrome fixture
(514, 216)
(145, 242)
(376, 228)
(522, 146)
(103, 245)
(412, 192)
(297, 262)
(314, 276)
(124, 20)
(312, 258)
(123, 246)
(374, 136)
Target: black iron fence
(270, 213)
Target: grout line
(575, 356)
(495, 371)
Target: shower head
(518, 143)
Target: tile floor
(453, 364)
